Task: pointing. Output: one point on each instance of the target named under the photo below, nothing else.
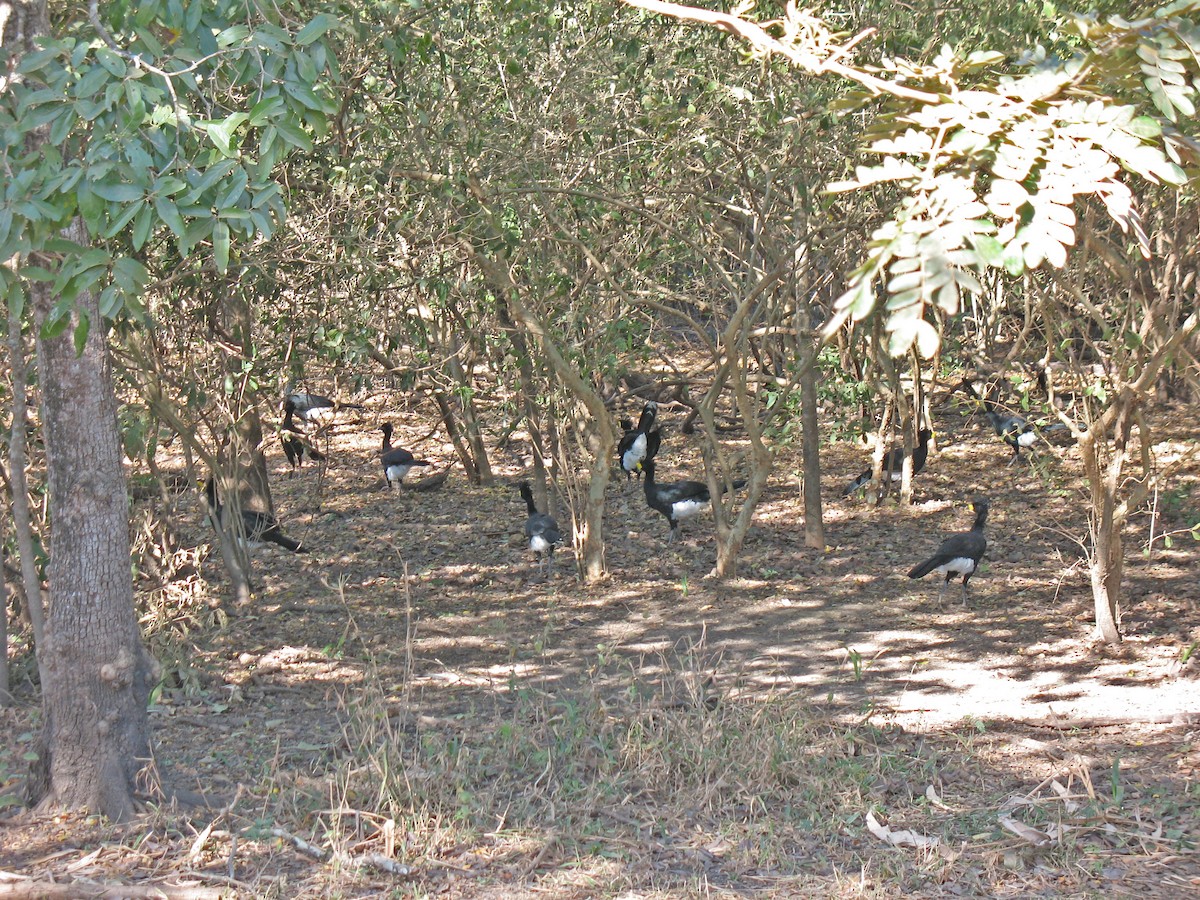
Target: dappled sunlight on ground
(425, 616)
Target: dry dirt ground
(427, 606)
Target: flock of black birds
(637, 449)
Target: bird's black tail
(275, 536)
(861, 481)
(924, 568)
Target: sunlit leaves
(990, 176)
(135, 151)
(1163, 63)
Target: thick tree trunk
(96, 735)
(96, 677)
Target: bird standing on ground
(639, 445)
(295, 443)
(257, 528)
(893, 463)
(959, 554)
(540, 529)
(1016, 431)
(397, 462)
(678, 500)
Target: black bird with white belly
(959, 554)
(397, 462)
(893, 463)
(639, 445)
(295, 444)
(1016, 431)
(677, 500)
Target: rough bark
(1107, 518)
(95, 740)
(529, 402)
(96, 677)
(19, 488)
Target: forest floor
(412, 709)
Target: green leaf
(266, 109)
(211, 175)
(168, 185)
(221, 246)
(111, 61)
(62, 126)
(223, 131)
(235, 34)
(234, 191)
(32, 62)
(81, 333)
(91, 205)
(169, 213)
(56, 322)
(315, 29)
(1013, 259)
(124, 218)
(1145, 127)
(13, 292)
(294, 135)
(194, 13)
(304, 94)
(110, 302)
(988, 249)
(141, 227)
(130, 275)
(37, 273)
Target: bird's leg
(942, 591)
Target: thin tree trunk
(528, 398)
(474, 434)
(22, 521)
(95, 740)
(457, 438)
(591, 538)
(1107, 517)
(810, 447)
(5, 691)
